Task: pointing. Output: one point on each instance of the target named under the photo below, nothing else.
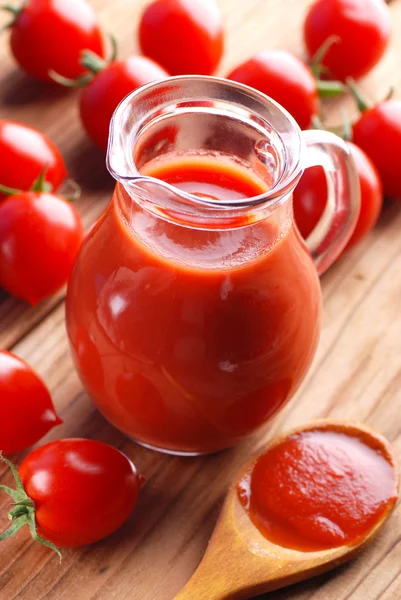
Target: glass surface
(193, 310)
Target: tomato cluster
(41, 231)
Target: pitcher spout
(200, 118)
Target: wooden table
(356, 374)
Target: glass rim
(279, 191)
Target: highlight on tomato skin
(362, 29)
(50, 36)
(186, 37)
(102, 95)
(73, 492)
(24, 153)
(40, 235)
(285, 78)
(26, 407)
(92, 490)
(310, 197)
(378, 133)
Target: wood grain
(356, 374)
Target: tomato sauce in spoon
(319, 488)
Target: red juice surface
(208, 177)
(318, 489)
(189, 339)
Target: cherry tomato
(26, 408)
(40, 235)
(24, 153)
(285, 78)
(106, 90)
(362, 28)
(185, 36)
(310, 197)
(81, 490)
(378, 133)
(50, 35)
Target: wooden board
(356, 374)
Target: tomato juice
(186, 338)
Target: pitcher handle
(338, 221)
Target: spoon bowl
(241, 563)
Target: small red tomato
(310, 197)
(362, 28)
(286, 79)
(106, 90)
(77, 491)
(24, 153)
(49, 35)
(378, 133)
(185, 36)
(40, 235)
(27, 411)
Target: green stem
(9, 491)
(14, 527)
(7, 191)
(38, 538)
(95, 63)
(15, 14)
(316, 63)
(360, 101)
(92, 62)
(20, 491)
(330, 89)
(23, 512)
(317, 123)
(114, 48)
(40, 185)
(17, 512)
(70, 83)
(11, 9)
(347, 128)
(27, 503)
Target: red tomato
(310, 197)
(363, 29)
(185, 36)
(24, 153)
(106, 90)
(378, 133)
(27, 411)
(82, 490)
(50, 35)
(285, 78)
(40, 235)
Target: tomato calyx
(92, 62)
(343, 131)
(41, 186)
(361, 102)
(317, 66)
(23, 511)
(329, 89)
(326, 88)
(15, 13)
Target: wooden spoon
(240, 562)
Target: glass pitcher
(193, 316)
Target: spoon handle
(203, 585)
